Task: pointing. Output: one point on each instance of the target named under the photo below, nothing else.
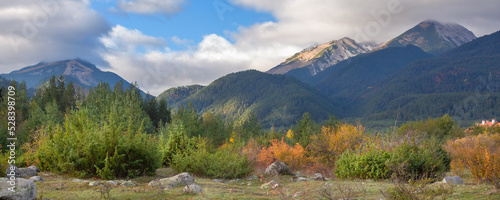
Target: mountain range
(82, 73)
(177, 94)
(462, 82)
(277, 100)
(432, 37)
(318, 58)
(430, 70)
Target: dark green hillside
(3, 81)
(364, 71)
(464, 82)
(177, 94)
(275, 99)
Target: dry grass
(61, 187)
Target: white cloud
(261, 46)
(315, 21)
(127, 40)
(178, 41)
(34, 31)
(164, 7)
(159, 69)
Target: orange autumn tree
(332, 142)
(295, 157)
(479, 153)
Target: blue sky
(198, 18)
(168, 43)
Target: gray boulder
(278, 168)
(219, 181)
(12, 170)
(76, 180)
(182, 179)
(318, 177)
(128, 183)
(193, 189)
(112, 182)
(454, 180)
(36, 179)
(269, 185)
(28, 172)
(24, 189)
(95, 183)
(301, 179)
(33, 167)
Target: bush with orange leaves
(332, 142)
(479, 153)
(295, 157)
(252, 151)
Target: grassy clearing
(61, 187)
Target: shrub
(295, 157)
(479, 153)
(367, 165)
(408, 161)
(4, 157)
(332, 142)
(107, 150)
(252, 151)
(173, 141)
(224, 163)
(413, 162)
(440, 129)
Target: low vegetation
(116, 133)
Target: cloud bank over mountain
(54, 30)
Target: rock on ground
(33, 167)
(182, 179)
(297, 195)
(12, 170)
(271, 184)
(112, 182)
(36, 179)
(28, 172)
(219, 181)
(25, 189)
(300, 179)
(23, 172)
(128, 183)
(76, 180)
(454, 180)
(278, 168)
(193, 189)
(95, 183)
(318, 177)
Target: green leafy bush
(173, 141)
(408, 161)
(367, 165)
(414, 162)
(224, 163)
(107, 150)
(440, 129)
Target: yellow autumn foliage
(480, 154)
(332, 142)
